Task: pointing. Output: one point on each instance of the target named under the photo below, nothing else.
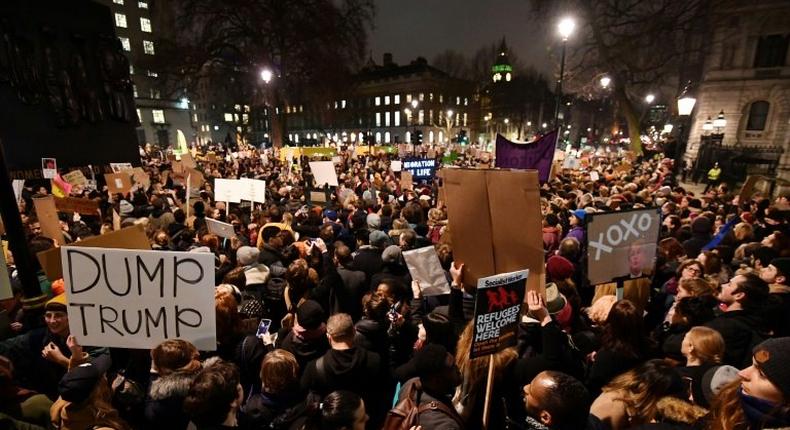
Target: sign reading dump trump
(137, 299)
(621, 244)
(497, 309)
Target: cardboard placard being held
(48, 218)
(118, 183)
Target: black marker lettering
(104, 320)
(180, 321)
(160, 269)
(69, 254)
(160, 316)
(107, 280)
(126, 323)
(82, 307)
(177, 277)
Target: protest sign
(253, 190)
(425, 267)
(594, 176)
(116, 220)
(48, 218)
(76, 178)
(128, 238)
(49, 167)
(420, 168)
(120, 167)
(621, 244)
(529, 155)
(78, 205)
(187, 160)
(5, 280)
(406, 181)
(317, 196)
(227, 190)
(324, 173)
(220, 228)
(211, 157)
(337, 159)
(18, 185)
(498, 304)
(498, 212)
(396, 165)
(118, 183)
(570, 163)
(194, 177)
(142, 178)
(138, 299)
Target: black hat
(771, 357)
(430, 360)
(310, 315)
(78, 383)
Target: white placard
(221, 229)
(18, 185)
(425, 267)
(227, 190)
(137, 299)
(337, 159)
(121, 167)
(594, 175)
(396, 165)
(324, 173)
(570, 163)
(253, 190)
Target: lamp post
(686, 103)
(565, 27)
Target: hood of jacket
(175, 384)
(344, 362)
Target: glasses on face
(693, 270)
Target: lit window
(466, 101)
(464, 119)
(457, 100)
(408, 98)
(237, 107)
(118, 2)
(441, 98)
(159, 116)
(194, 118)
(430, 117)
(430, 97)
(396, 99)
(378, 119)
(378, 101)
(142, 5)
(120, 20)
(236, 117)
(421, 117)
(397, 118)
(336, 104)
(131, 69)
(228, 117)
(386, 137)
(386, 119)
(125, 43)
(343, 104)
(245, 118)
(246, 108)
(148, 47)
(139, 116)
(430, 136)
(422, 97)
(378, 137)
(386, 100)
(152, 74)
(145, 25)
(134, 90)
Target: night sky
(412, 28)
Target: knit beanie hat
(559, 268)
(772, 357)
(715, 379)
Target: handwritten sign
(324, 173)
(497, 309)
(137, 299)
(76, 178)
(48, 218)
(227, 190)
(118, 183)
(253, 190)
(420, 168)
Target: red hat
(559, 268)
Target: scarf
(761, 413)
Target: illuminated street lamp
(649, 98)
(719, 123)
(565, 28)
(266, 75)
(707, 126)
(686, 103)
(605, 81)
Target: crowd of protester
(353, 344)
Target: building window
(159, 116)
(386, 119)
(342, 104)
(408, 98)
(378, 137)
(386, 100)
(120, 2)
(466, 101)
(378, 119)
(139, 116)
(758, 116)
(131, 69)
(458, 101)
(145, 25)
(125, 43)
(152, 74)
(120, 20)
(228, 117)
(430, 117)
(386, 137)
(378, 101)
(148, 47)
(430, 136)
(464, 119)
(422, 97)
(421, 117)
(441, 98)
(397, 118)
(396, 99)
(771, 51)
(142, 5)
(134, 91)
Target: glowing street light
(414, 104)
(649, 98)
(605, 81)
(720, 122)
(449, 113)
(507, 121)
(566, 27)
(266, 75)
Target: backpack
(406, 413)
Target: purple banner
(532, 155)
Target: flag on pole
(537, 154)
(721, 234)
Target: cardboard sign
(49, 167)
(497, 309)
(425, 267)
(76, 178)
(118, 183)
(48, 218)
(142, 178)
(253, 190)
(396, 165)
(317, 196)
(220, 228)
(420, 168)
(138, 299)
(195, 178)
(621, 244)
(406, 181)
(227, 190)
(499, 213)
(5, 281)
(187, 160)
(128, 238)
(78, 205)
(211, 157)
(324, 173)
(116, 220)
(120, 167)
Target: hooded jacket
(164, 402)
(305, 345)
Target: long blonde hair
(641, 389)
